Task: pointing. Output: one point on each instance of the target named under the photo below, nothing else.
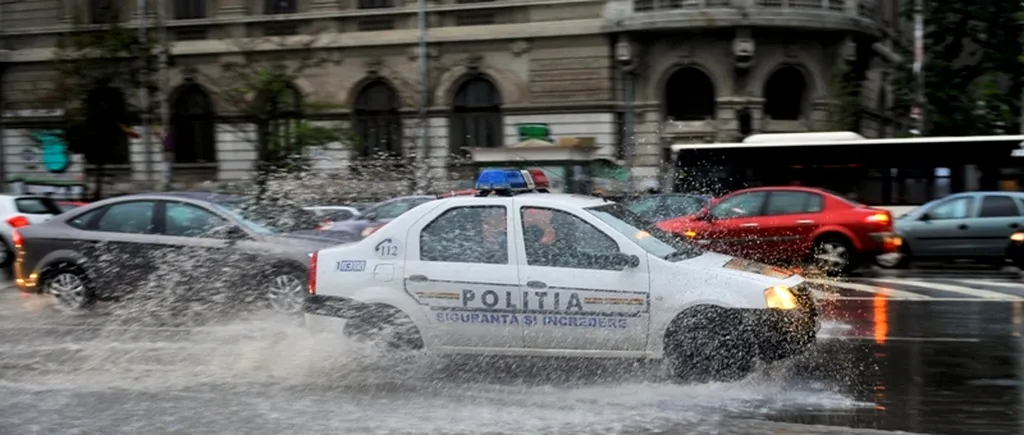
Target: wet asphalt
(881, 363)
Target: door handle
(750, 225)
(536, 284)
(963, 226)
(805, 222)
(418, 278)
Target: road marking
(888, 299)
(96, 327)
(891, 293)
(932, 339)
(985, 294)
(1014, 285)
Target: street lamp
(424, 146)
(626, 59)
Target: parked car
(791, 224)
(18, 211)
(376, 216)
(103, 251)
(333, 213)
(665, 206)
(70, 205)
(969, 225)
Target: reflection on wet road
(882, 362)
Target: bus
(879, 172)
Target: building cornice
(409, 9)
(549, 29)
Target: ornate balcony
(654, 15)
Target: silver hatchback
(970, 225)
(166, 241)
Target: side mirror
(227, 232)
(624, 261)
(371, 216)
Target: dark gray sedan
(206, 243)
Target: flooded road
(881, 363)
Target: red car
(786, 225)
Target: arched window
(105, 11)
(785, 94)
(377, 121)
(476, 120)
(106, 116)
(689, 96)
(192, 127)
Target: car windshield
(644, 233)
(268, 219)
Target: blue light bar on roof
(502, 179)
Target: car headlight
(781, 298)
(1017, 237)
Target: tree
(260, 86)
(97, 68)
(974, 68)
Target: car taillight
(881, 218)
(312, 272)
(18, 222)
(17, 239)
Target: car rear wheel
(705, 344)
(285, 290)
(6, 254)
(69, 288)
(834, 256)
(384, 326)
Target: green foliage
(288, 141)
(847, 95)
(88, 59)
(973, 67)
(268, 97)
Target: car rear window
(37, 206)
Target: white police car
(518, 271)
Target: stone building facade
(676, 70)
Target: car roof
(199, 196)
(563, 199)
(787, 188)
(13, 196)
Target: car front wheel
(285, 290)
(708, 344)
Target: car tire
(706, 345)
(834, 255)
(69, 288)
(384, 326)
(284, 289)
(6, 254)
(1018, 262)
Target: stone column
(68, 10)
